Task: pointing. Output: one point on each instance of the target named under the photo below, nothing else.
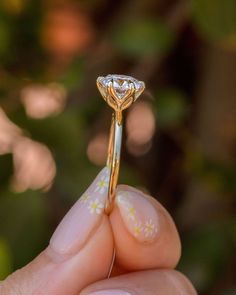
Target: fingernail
(110, 292)
(83, 217)
(138, 214)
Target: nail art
(138, 214)
(102, 184)
(83, 217)
(95, 206)
(85, 198)
(149, 228)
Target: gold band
(119, 92)
(113, 158)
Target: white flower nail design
(138, 228)
(129, 208)
(95, 207)
(84, 198)
(102, 184)
(150, 228)
(131, 212)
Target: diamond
(120, 87)
(121, 84)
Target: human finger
(80, 251)
(149, 282)
(144, 233)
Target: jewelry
(119, 91)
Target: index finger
(144, 233)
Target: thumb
(80, 251)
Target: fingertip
(144, 233)
(146, 282)
(138, 214)
(56, 273)
(79, 253)
(83, 218)
(181, 282)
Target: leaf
(5, 259)
(216, 20)
(23, 224)
(4, 37)
(171, 107)
(206, 252)
(73, 76)
(142, 37)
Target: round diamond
(121, 84)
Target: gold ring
(119, 91)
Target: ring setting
(119, 91)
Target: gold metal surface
(118, 103)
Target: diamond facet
(121, 84)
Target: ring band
(119, 92)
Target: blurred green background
(180, 136)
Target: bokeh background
(180, 136)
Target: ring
(119, 91)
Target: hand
(80, 253)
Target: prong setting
(119, 91)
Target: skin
(140, 268)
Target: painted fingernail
(83, 217)
(110, 292)
(138, 214)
